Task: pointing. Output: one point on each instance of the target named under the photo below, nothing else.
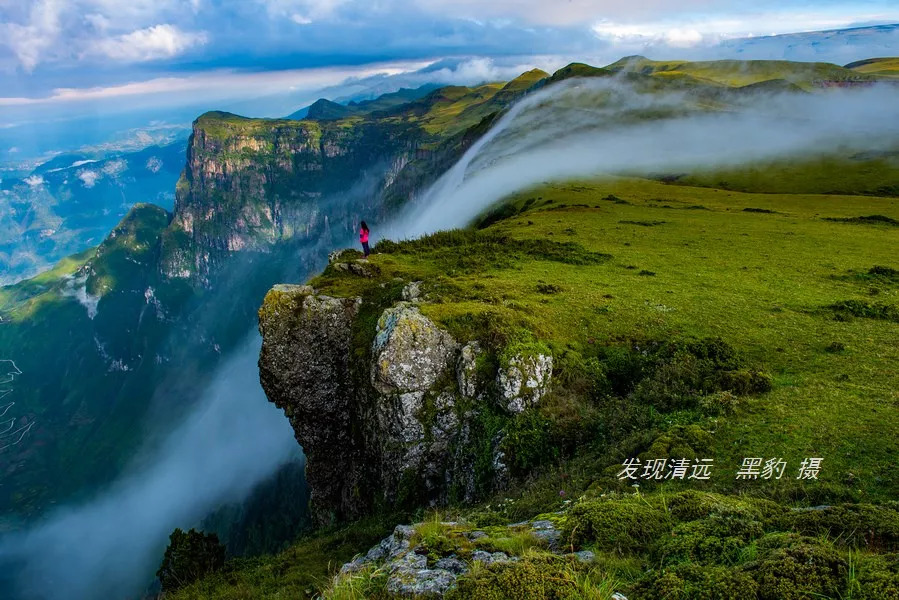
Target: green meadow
(627, 281)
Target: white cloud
(154, 164)
(223, 83)
(115, 167)
(304, 12)
(88, 178)
(34, 180)
(152, 43)
(30, 40)
(690, 31)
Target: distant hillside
(73, 200)
(745, 72)
(882, 67)
(324, 109)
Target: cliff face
(393, 414)
(250, 183)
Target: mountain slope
(883, 67)
(746, 72)
(72, 201)
(718, 326)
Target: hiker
(363, 237)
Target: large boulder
(409, 351)
(304, 368)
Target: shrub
(673, 385)
(694, 582)
(884, 273)
(797, 568)
(532, 578)
(744, 381)
(681, 441)
(530, 440)
(621, 524)
(715, 353)
(852, 524)
(718, 403)
(878, 578)
(692, 505)
(860, 308)
(715, 539)
(189, 556)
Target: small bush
(681, 441)
(878, 578)
(860, 308)
(535, 577)
(190, 555)
(643, 223)
(548, 288)
(884, 273)
(835, 347)
(694, 582)
(716, 539)
(674, 385)
(623, 525)
(529, 441)
(867, 525)
(798, 569)
(743, 382)
(718, 403)
(866, 220)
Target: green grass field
(597, 264)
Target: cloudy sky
(58, 55)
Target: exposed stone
(360, 267)
(412, 291)
(466, 369)
(451, 564)
(585, 556)
(410, 351)
(618, 596)
(546, 530)
(420, 583)
(290, 288)
(336, 255)
(490, 558)
(501, 475)
(524, 381)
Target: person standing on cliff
(363, 237)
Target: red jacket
(363, 235)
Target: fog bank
(588, 127)
(109, 547)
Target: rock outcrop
(391, 414)
(415, 572)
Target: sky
(63, 59)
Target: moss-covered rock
(791, 567)
(623, 524)
(695, 582)
(862, 525)
(536, 577)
